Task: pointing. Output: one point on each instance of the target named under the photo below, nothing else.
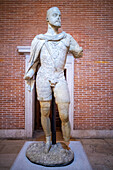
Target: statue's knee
(64, 117)
(45, 104)
(64, 111)
(45, 108)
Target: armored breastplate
(53, 55)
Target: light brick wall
(90, 22)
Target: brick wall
(90, 22)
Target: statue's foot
(66, 139)
(65, 145)
(47, 147)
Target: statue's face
(54, 18)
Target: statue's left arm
(75, 49)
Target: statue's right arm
(33, 47)
(29, 74)
(31, 70)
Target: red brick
(90, 22)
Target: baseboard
(21, 133)
(92, 133)
(13, 133)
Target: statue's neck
(52, 30)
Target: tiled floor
(99, 151)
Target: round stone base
(59, 154)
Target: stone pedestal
(80, 159)
(59, 154)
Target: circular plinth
(57, 156)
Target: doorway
(30, 96)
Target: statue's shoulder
(36, 39)
(68, 36)
(34, 42)
(67, 39)
(70, 39)
(39, 36)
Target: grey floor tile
(93, 141)
(6, 160)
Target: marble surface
(80, 159)
(59, 154)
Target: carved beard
(56, 24)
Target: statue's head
(54, 17)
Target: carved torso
(53, 58)
(51, 51)
(56, 54)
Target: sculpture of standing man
(49, 51)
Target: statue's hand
(80, 54)
(29, 74)
(80, 49)
(26, 77)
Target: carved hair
(50, 10)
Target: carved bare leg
(45, 121)
(63, 112)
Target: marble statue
(47, 60)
